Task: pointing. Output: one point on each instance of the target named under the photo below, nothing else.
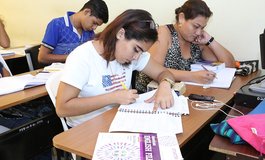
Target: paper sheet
(139, 116)
(224, 79)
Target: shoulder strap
(171, 28)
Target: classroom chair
(52, 85)
(32, 58)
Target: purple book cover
(149, 148)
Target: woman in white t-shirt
(98, 74)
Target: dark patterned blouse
(173, 60)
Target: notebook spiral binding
(136, 111)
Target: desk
(13, 56)
(17, 63)
(32, 135)
(81, 139)
(19, 52)
(233, 151)
(13, 99)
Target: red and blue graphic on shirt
(113, 82)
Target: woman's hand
(124, 96)
(202, 39)
(163, 97)
(203, 77)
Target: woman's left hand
(202, 39)
(163, 97)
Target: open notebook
(140, 117)
(18, 83)
(224, 78)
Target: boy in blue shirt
(64, 34)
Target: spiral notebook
(140, 117)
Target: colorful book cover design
(127, 146)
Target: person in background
(98, 73)
(186, 42)
(4, 38)
(64, 34)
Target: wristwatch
(210, 41)
(172, 83)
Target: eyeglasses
(152, 24)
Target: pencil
(207, 70)
(123, 85)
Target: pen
(123, 85)
(204, 68)
(42, 71)
(207, 70)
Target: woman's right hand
(124, 96)
(203, 76)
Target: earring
(180, 25)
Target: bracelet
(172, 83)
(210, 41)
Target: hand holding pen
(125, 95)
(210, 75)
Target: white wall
(236, 24)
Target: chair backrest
(5, 65)
(32, 58)
(52, 85)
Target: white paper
(224, 78)
(7, 52)
(18, 83)
(54, 67)
(139, 116)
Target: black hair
(98, 8)
(193, 8)
(138, 24)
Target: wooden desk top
(81, 139)
(15, 98)
(13, 56)
(19, 52)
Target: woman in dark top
(181, 44)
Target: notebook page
(180, 104)
(139, 117)
(18, 83)
(146, 123)
(224, 79)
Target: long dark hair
(192, 9)
(138, 24)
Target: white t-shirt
(86, 70)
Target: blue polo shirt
(62, 37)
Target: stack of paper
(7, 52)
(137, 146)
(18, 83)
(54, 67)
